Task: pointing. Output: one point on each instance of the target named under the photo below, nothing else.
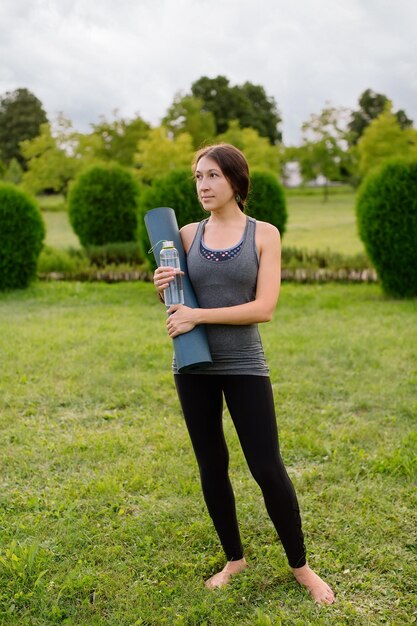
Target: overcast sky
(87, 58)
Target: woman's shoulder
(188, 233)
(267, 231)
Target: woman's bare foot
(230, 569)
(320, 591)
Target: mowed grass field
(59, 233)
(312, 224)
(317, 225)
(101, 514)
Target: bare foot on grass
(222, 578)
(319, 590)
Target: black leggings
(251, 406)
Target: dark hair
(232, 164)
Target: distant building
(292, 175)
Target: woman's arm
(182, 319)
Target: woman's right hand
(161, 279)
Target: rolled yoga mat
(191, 349)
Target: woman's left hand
(181, 319)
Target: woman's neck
(227, 215)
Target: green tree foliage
(21, 235)
(371, 105)
(21, 115)
(159, 153)
(263, 115)
(49, 167)
(324, 151)
(247, 103)
(266, 200)
(102, 205)
(14, 172)
(175, 189)
(383, 139)
(387, 221)
(187, 115)
(258, 150)
(119, 138)
(56, 156)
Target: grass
(59, 233)
(101, 514)
(52, 202)
(317, 225)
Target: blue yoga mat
(191, 349)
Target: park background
(101, 512)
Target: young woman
(234, 266)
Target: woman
(234, 266)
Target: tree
(383, 139)
(21, 115)
(49, 167)
(265, 116)
(14, 172)
(119, 138)
(187, 115)
(56, 156)
(159, 153)
(103, 205)
(386, 210)
(248, 104)
(371, 105)
(324, 151)
(258, 151)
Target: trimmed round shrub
(177, 190)
(21, 235)
(266, 201)
(102, 205)
(386, 210)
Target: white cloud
(87, 58)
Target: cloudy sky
(87, 58)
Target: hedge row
(298, 275)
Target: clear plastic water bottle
(174, 293)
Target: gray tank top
(235, 349)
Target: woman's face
(213, 189)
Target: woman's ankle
(222, 578)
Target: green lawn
(312, 224)
(318, 225)
(101, 514)
(59, 233)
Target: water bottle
(174, 293)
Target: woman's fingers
(162, 277)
